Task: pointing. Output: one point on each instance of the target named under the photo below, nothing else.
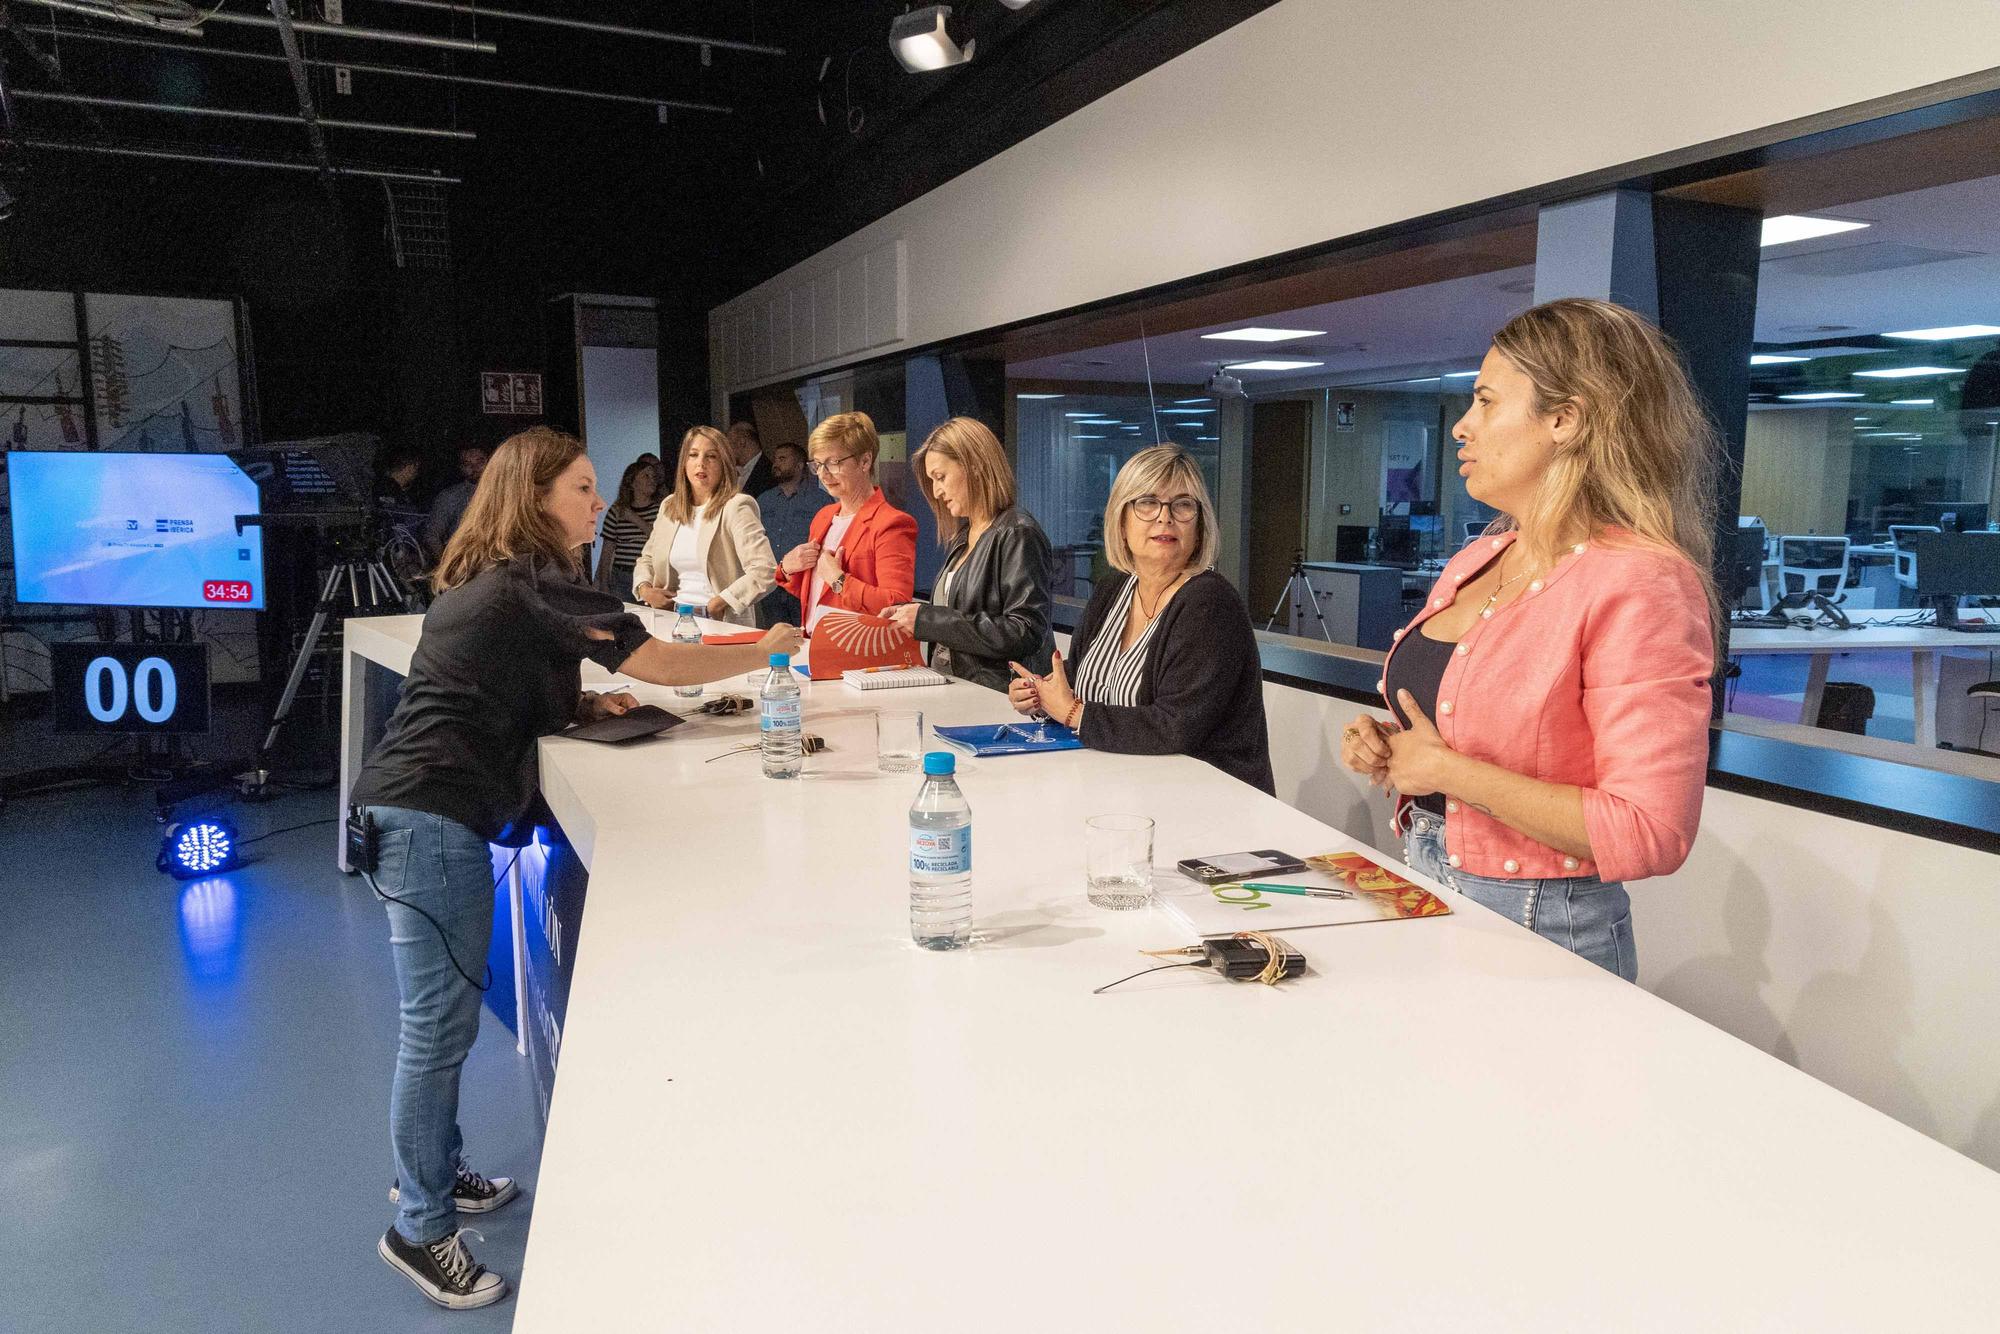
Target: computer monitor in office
(1742, 565)
(1399, 540)
(1350, 543)
(1955, 516)
(1951, 566)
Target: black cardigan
(998, 611)
(1202, 691)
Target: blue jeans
(444, 868)
(1583, 914)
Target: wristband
(1075, 710)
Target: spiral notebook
(891, 678)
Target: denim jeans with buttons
(440, 875)
(1581, 913)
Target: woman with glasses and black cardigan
(1166, 658)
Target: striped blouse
(1109, 675)
(625, 534)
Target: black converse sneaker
(443, 1271)
(472, 1193)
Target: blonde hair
(989, 482)
(848, 432)
(680, 508)
(505, 517)
(1146, 474)
(1645, 454)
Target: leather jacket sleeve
(1006, 616)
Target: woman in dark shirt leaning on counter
(991, 602)
(1166, 658)
(496, 669)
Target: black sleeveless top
(1418, 666)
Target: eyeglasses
(818, 468)
(1184, 509)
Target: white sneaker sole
(450, 1301)
(479, 1207)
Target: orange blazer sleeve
(796, 584)
(890, 576)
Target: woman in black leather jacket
(991, 602)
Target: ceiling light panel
(1789, 227)
(1258, 334)
(1907, 373)
(1947, 333)
(1273, 364)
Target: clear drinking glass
(899, 740)
(1118, 855)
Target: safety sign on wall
(515, 393)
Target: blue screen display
(134, 530)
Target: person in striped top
(629, 522)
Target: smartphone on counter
(1239, 866)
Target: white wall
(1862, 956)
(1315, 120)
(621, 411)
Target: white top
(841, 523)
(690, 572)
(866, 1135)
(1109, 674)
(940, 656)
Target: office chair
(1812, 565)
(1902, 536)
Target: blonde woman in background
(708, 548)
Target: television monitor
(1399, 540)
(1424, 523)
(1742, 565)
(133, 530)
(1955, 516)
(1951, 566)
(1350, 543)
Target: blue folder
(1010, 738)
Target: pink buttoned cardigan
(1597, 675)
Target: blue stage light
(201, 846)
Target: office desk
(1922, 643)
(774, 1113)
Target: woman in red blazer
(861, 554)
(1551, 699)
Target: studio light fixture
(1947, 333)
(1773, 359)
(921, 44)
(1912, 402)
(201, 846)
(1460, 375)
(1820, 396)
(1789, 227)
(1273, 363)
(1256, 334)
(1038, 396)
(1907, 372)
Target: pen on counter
(1303, 891)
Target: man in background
(788, 508)
(449, 507)
(753, 468)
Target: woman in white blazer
(708, 547)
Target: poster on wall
(1405, 446)
(511, 393)
(164, 373)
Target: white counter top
(773, 1112)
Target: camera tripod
(349, 580)
(1295, 582)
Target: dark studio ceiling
(791, 126)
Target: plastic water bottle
(940, 858)
(778, 719)
(687, 632)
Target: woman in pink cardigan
(1552, 697)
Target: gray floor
(194, 1083)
